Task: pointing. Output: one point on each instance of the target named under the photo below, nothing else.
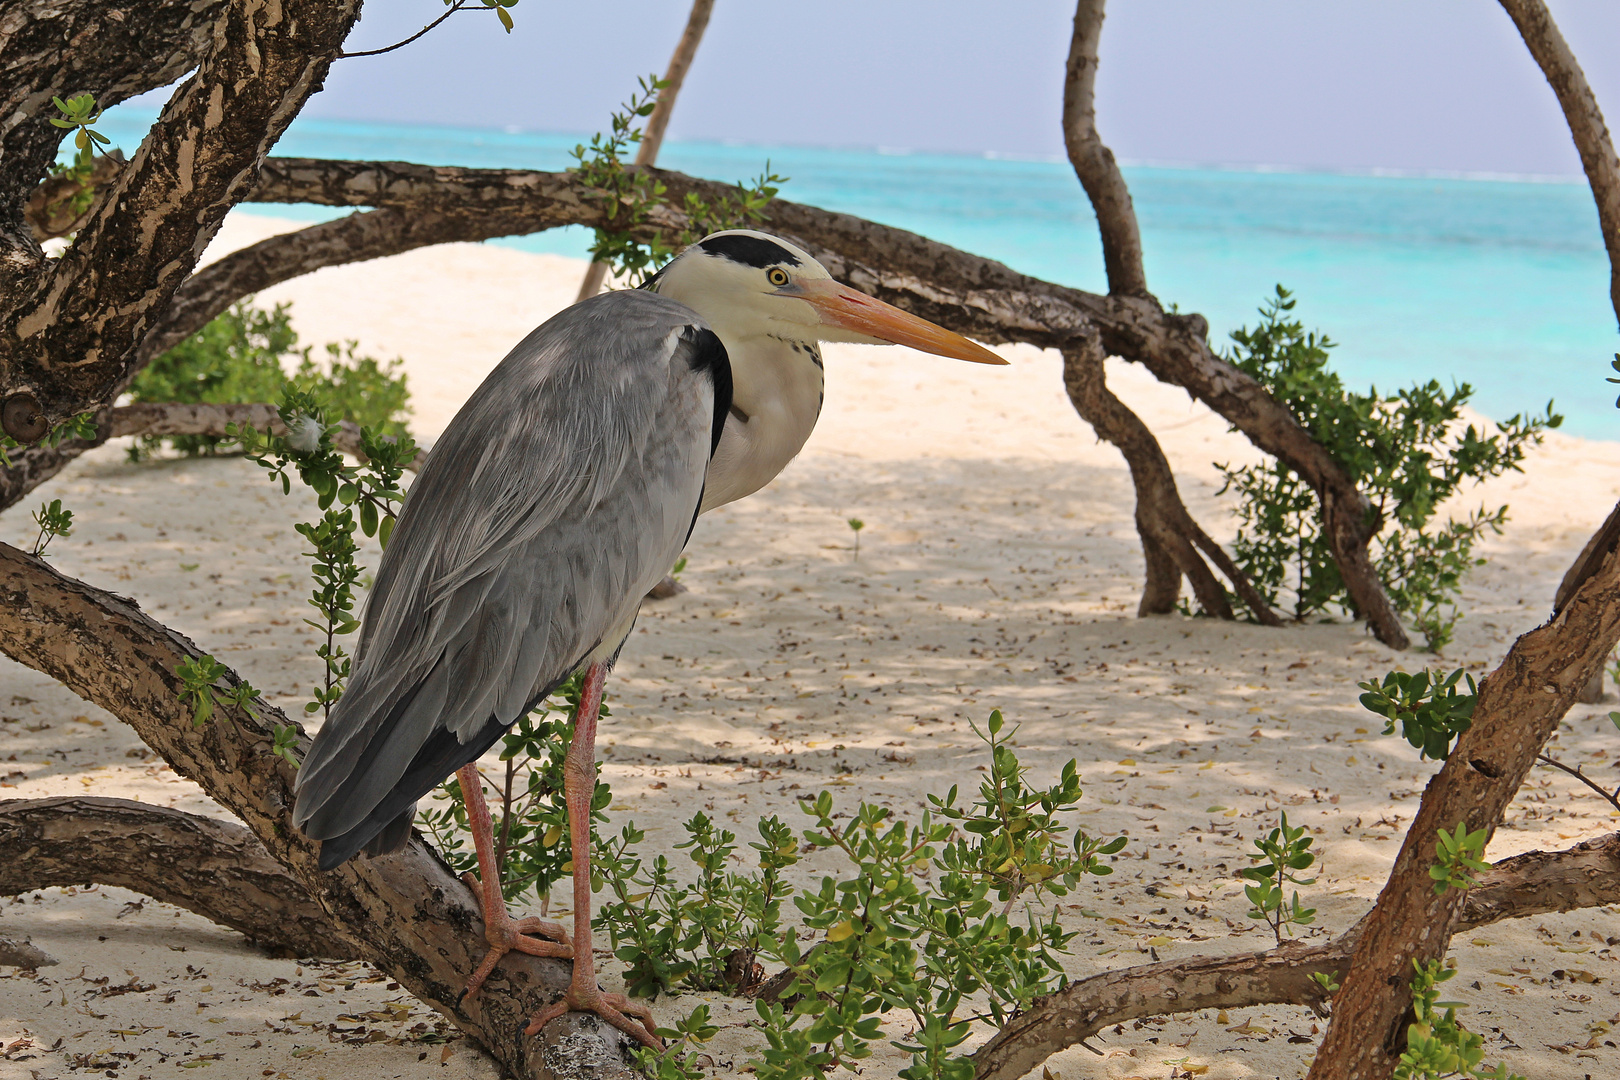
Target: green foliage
(1437, 1045)
(82, 426)
(530, 816)
(1280, 853)
(677, 1061)
(1405, 452)
(1329, 982)
(367, 497)
(198, 677)
(243, 355)
(855, 526)
(53, 521)
(633, 246)
(1459, 855)
(79, 115)
(286, 744)
(675, 937)
(1429, 707)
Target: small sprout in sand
(53, 521)
(1284, 850)
(855, 526)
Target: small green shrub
(1438, 1047)
(1409, 453)
(243, 356)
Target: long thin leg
(579, 784)
(503, 932)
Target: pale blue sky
(1398, 84)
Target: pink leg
(501, 931)
(579, 779)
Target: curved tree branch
(1535, 883)
(1094, 163)
(216, 869)
(407, 913)
(969, 294)
(120, 48)
(1170, 536)
(1552, 53)
(1520, 706)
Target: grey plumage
(561, 492)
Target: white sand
(999, 568)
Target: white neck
(776, 398)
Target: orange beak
(850, 309)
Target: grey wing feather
(559, 495)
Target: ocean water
(1499, 283)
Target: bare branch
(459, 5)
(409, 915)
(1545, 42)
(1094, 163)
(1536, 883)
(216, 869)
(1170, 536)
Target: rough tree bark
(1535, 883)
(405, 913)
(119, 48)
(1170, 537)
(1519, 708)
(1167, 530)
(216, 869)
(652, 136)
(69, 327)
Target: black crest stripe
(749, 250)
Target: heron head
(748, 284)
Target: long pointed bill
(851, 309)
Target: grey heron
(559, 495)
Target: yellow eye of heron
(777, 276)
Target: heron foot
(616, 1009)
(506, 934)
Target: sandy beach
(999, 568)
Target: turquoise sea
(1501, 283)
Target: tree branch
(1552, 53)
(33, 465)
(407, 913)
(213, 868)
(69, 329)
(119, 48)
(1536, 883)
(1170, 536)
(1520, 706)
(1094, 163)
(964, 292)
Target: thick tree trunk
(1170, 536)
(1535, 883)
(652, 137)
(69, 327)
(406, 913)
(1520, 706)
(216, 869)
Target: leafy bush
(242, 356)
(1408, 453)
